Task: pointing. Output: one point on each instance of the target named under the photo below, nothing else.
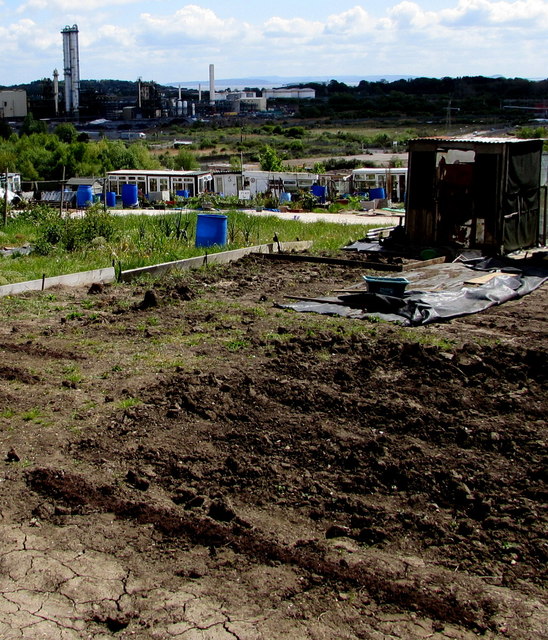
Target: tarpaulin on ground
(418, 307)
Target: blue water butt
(285, 197)
(111, 198)
(183, 193)
(84, 196)
(211, 229)
(377, 194)
(130, 195)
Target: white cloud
(352, 22)
(194, 22)
(25, 36)
(484, 12)
(109, 34)
(410, 14)
(292, 28)
(472, 13)
(70, 5)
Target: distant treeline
(465, 97)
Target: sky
(172, 41)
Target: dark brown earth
(195, 462)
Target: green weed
(32, 415)
(427, 339)
(72, 374)
(127, 403)
(237, 345)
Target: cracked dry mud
(208, 466)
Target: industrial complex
(68, 101)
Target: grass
(72, 374)
(32, 415)
(237, 344)
(140, 241)
(427, 339)
(127, 403)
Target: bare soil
(184, 459)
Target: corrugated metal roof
(478, 140)
(83, 181)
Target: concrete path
(377, 219)
(380, 219)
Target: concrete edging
(108, 274)
(222, 257)
(69, 280)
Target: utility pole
(61, 199)
(6, 199)
(448, 119)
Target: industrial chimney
(72, 69)
(56, 91)
(212, 85)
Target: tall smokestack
(56, 91)
(71, 69)
(212, 85)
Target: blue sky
(174, 41)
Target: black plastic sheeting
(425, 307)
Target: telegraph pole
(6, 199)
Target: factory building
(240, 101)
(13, 104)
(290, 92)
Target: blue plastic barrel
(183, 193)
(319, 192)
(84, 196)
(377, 194)
(111, 198)
(285, 197)
(211, 229)
(130, 196)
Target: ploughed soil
(182, 458)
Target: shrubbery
(47, 156)
(71, 234)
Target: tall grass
(140, 240)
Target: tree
(235, 163)
(5, 130)
(269, 159)
(30, 125)
(186, 160)
(66, 132)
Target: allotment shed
(480, 193)
(161, 180)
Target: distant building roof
(86, 182)
(156, 172)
